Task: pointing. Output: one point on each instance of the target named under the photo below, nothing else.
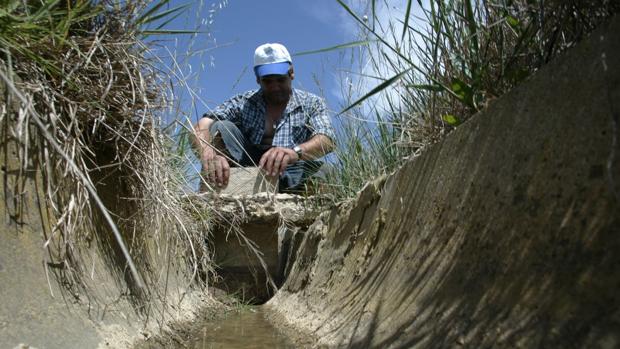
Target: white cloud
(388, 23)
(329, 12)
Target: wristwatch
(297, 149)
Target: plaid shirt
(304, 117)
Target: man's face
(276, 88)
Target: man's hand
(276, 160)
(215, 167)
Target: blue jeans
(229, 139)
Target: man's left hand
(276, 160)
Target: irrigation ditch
(504, 234)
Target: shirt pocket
(300, 134)
(299, 129)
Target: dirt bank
(36, 310)
(503, 235)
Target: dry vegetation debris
(81, 110)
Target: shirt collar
(293, 103)
(258, 99)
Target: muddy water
(247, 328)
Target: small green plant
(239, 303)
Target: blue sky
(224, 65)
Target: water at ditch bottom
(247, 328)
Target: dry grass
(83, 107)
(431, 67)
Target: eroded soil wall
(34, 310)
(506, 234)
(38, 306)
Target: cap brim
(272, 69)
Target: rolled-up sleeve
(320, 122)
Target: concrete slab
(245, 181)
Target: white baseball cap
(271, 59)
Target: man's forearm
(316, 147)
(216, 167)
(201, 138)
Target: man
(278, 128)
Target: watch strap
(297, 149)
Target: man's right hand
(215, 167)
